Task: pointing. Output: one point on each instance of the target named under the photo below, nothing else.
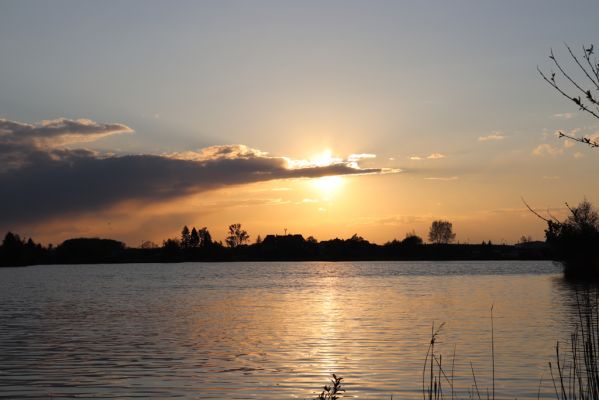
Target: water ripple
(273, 330)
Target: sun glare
(328, 185)
(323, 159)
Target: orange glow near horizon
(325, 207)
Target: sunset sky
(129, 119)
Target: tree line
(440, 232)
(197, 244)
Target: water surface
(275, 330)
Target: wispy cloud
(228, 152)
(567, 115)
(390, 220)
(361, 156)
(57, 132)
(442, 178)
(432, 156)
(546, 149)
(495, 136)
(435, 156)
(569, 143)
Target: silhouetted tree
(258, 239)
(205, 237)
(171, 244)
(237, 236)
(441, 232)
(577, 88)
(575, 240)
(148, 244)
(194, 238)
(583, 219)
(524, 239)
(311, 239)
(13, 249)
(12, 240)
(412, 239)
(171, 249)
(357, 238)
(90, 250)
(185, 237)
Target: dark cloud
(39, 181)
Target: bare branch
(580, 65)
(533, 211)
(576, 100)
(552, 217)
(564, 73)
(587, 56)
(584, 140)
(571, 209)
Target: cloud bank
(40, 178)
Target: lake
(277, 330)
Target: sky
(130, 119)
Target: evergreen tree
(205, 237)
(185, 237)
(194, 238)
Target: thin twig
(584, 140)
(533, 211)
(577, 101)
(580, 65)
(553, 380)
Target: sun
(327, 186)
(323, 159)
